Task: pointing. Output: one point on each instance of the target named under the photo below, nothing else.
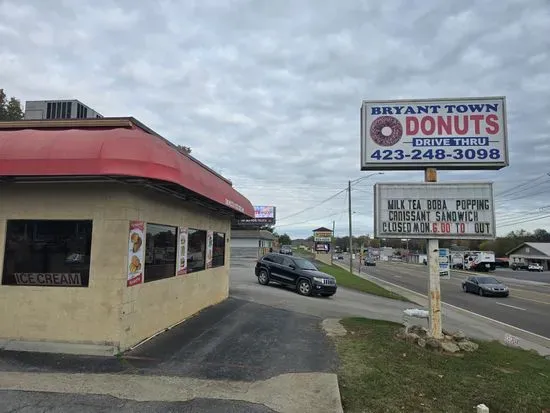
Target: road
(527, 307)
(350, 303)
(541, 277)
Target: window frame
(190, 232)
(147, 240)
(60, 247)
(214, 256)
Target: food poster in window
(182, 251)
(136, 247)
(209, 248)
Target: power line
(527, 182)
(524, 221)
(314, 206)
(312, 219)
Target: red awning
(118, 151)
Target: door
(277, 269)
(289, 273)
(471, 285)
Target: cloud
(269, 92)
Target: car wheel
(506, 295)
(263, 277)
(480, 292)
(464, 288)
(304, 287)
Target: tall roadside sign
(435, 133)
(431, 134)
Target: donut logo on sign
(386, 131)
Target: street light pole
(332, 247)
(350, 232)
(349, 216)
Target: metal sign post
(430, 175)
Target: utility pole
(350, 232)
(332, 247)
(430, 175)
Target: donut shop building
(108, 235)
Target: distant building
(531, 253)
(58, 109)
(251, 243)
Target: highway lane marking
(458, 281)
(547, 339)
(514, 290)
(519, 297)
(531, 282)
(511, 306)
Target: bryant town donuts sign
(460, 133)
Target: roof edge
(105, 122)
(516, 248)
(125, 122)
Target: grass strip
(346, 279)
(380, 373)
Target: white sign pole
(430, 175)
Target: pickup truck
(535, 267)
(519, 266)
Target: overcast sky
(268, 92)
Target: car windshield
(305, 264)
(487, 280)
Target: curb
(422, 300)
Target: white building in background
(58, 109)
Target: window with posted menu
(160, 252)
(47, 253)
(196, 250)
(218, 253)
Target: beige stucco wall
(107, 312)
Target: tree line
(10, 109)
(500, 246)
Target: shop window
(196, 250)
(218, 250)
(50, 253)
(160, 252)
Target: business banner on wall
(182, 251)
(209, 248)
(136, 247)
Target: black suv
(295, 272)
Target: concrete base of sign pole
(434, 295)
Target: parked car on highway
(535, 267)
(338, 257)
(369, 262)
(485, 286)
(519, 266)
(286, 249)
(298, 273)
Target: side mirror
(292, 266)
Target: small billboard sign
(434, 210)
(444, 267)
(263, 215)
